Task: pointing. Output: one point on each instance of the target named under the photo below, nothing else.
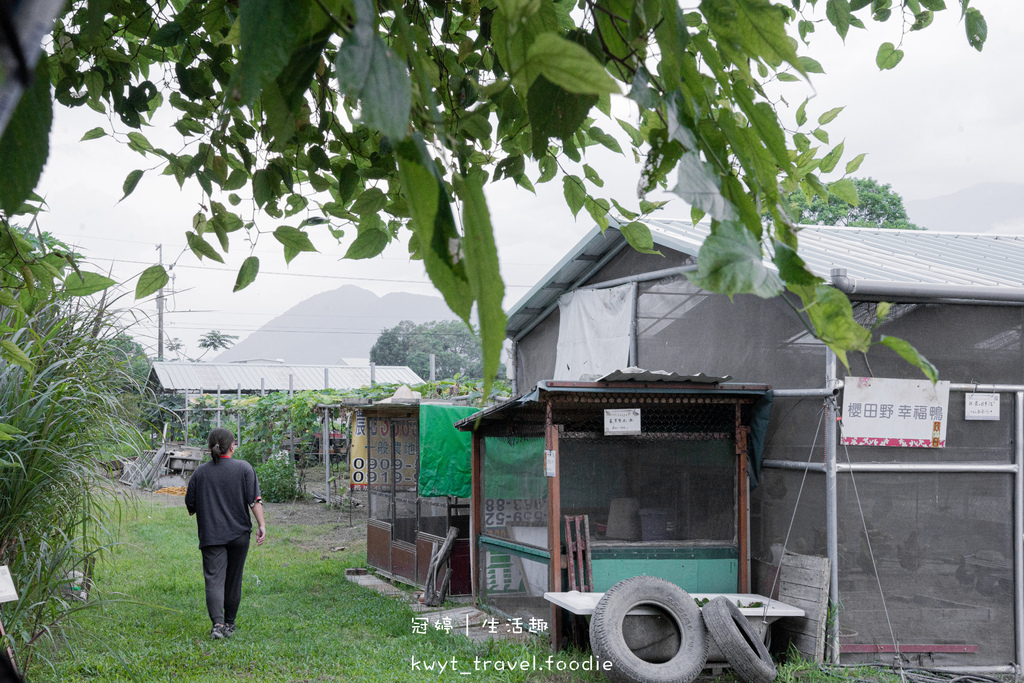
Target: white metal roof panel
(909, 256)
(179, 376)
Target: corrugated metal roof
(913, 256)
(178, 376)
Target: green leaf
(569, 66)
(922, 20)
(268, 33)
(433, 223)
(934, 5)
(598, 210)
(634, 135)
(757, 25)
(484, 274)
(912, 356)
(12, 353)
(730, 262)
(882, 309)
(811, 66)
(575, 193)
(130, 183)
(371, 200)
(976, 27)
(801, 114)
(554, 112)
(201, 247)
(792, 268)
(151, 280)
(264, 186)
(845, 190)
(829, 115)
(548, 168)
(838, 14)
(888, 56)
(855, 163)
(294, 241)
(247, 273)
(371, 240)
(639, 237)
(831, 316)
(832, 158)
(821, 134)
(700, 187)
(138, 142)
(25, 143)
(93, 133)
(367, 69)
(624, 212)
(605, 139)
(83, 283)
(592, 175)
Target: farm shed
(414, 466)
(925, 542)
(659, 469)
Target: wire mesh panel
(942, 547)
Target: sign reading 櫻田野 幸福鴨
(894, 412)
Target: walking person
(221, 493)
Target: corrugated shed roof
(179, 376)
(913, 256)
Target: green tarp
(444, 452)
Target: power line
(314, 275)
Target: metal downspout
(633, 332)
(1018, 528)
(831, 508)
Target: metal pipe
(809, 393)
(643, 277)
(327, 379)
(325, 442)
(291, 424)
(793, 465)
(633, 333)
(926, 291)
(512, 369)
(218, 406)
(988, 388)
(589, 273)
(263, 384)
(1018, 537)
(373, 374)
(831, 506)
(238, 416)
(433, 367)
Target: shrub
(278, 481)
(252, 452)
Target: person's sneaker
(229, 630)
(218, 632)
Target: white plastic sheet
(593, 332)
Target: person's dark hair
(220, 443)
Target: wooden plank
(803, 583)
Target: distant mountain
(328, 327)
(987, 207)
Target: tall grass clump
(60, 400)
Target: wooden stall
(411, 508)
(657, 472)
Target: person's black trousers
(222, 569)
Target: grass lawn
(299, 621)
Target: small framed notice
(623, 422)
(8, 593)
(550, 468)
(981, 407)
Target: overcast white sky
(946, 118)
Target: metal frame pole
(325, 446)
(218, 406)
(1018, 528)
(831, 507)
(238, 417)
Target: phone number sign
(895, 412)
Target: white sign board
(622, 421)
(550, 468)
(8, 593)
(895, 412)
(981, 407)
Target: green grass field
(302, 621)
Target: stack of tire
(671, 646)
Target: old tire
(738, 642)
(678, 610)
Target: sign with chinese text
(895, 412)
(622, 421)
(981, 407)
(357, 465)
(550, 464)
(8, 593)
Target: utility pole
(160, 312)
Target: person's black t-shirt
(220, 494)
